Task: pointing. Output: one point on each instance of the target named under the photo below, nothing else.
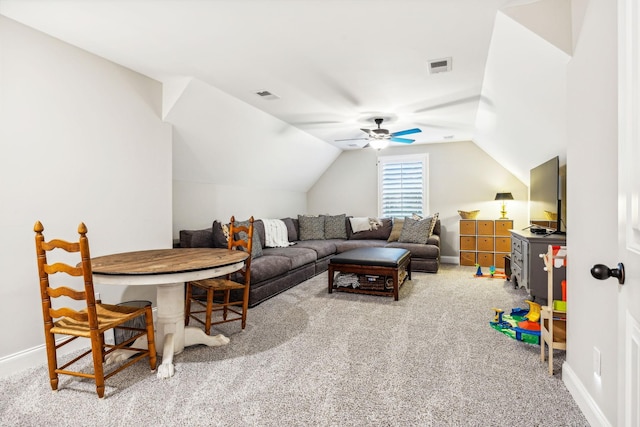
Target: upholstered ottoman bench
(371, 261)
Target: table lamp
(502, 197)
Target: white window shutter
(402, 186)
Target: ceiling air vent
(439, 65)
(265, 94)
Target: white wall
(230, 158)
(197, 204)
(592, 196)
(81, 139)
(461, 176)
(522, 120)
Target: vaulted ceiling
(335, 65)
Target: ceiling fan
(379, 138)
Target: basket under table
(372, 261)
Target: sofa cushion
(202, 240)
(434, 239)
(267, 267)
(323, 248)
(347, 245)
(415, 231)
(196, 238)
(418, 250)
(311, 227)
(298, 256)
(335, 227)
(292, 230)
(380, 232)
(396, 230)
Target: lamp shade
(504, 196)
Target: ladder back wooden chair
(219, 291)
(89, 319)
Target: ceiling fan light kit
(379, 144)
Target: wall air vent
(265, 94)
(439, 65)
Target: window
(402, 185)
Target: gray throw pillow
(335, 227)
(415, 231)
(311, 227)
(256, 245)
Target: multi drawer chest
(528, 267)
(485, 241)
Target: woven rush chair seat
(90, 322)
(217, 284)
(109, 316)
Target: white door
(629, 213)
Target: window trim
(424, 158)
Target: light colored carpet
(311, 358)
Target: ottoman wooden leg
(396, 286)
(330, 278)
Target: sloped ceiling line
(172, 89)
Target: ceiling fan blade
(406, 132)
(351, 139)
(402, 140)
(367, 131)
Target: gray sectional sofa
(276, 269)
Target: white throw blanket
(360, 224)
(275, 233)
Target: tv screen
(544, 195)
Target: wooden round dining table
(169, 269)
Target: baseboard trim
(32, 357)
(583, 399)
(450, 260)
(37, 356)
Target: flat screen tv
(546, 190)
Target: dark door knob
(602, 272)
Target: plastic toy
(479, 271)
(532, 319)
(498, 319)
(519, 325)
(493, 273)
